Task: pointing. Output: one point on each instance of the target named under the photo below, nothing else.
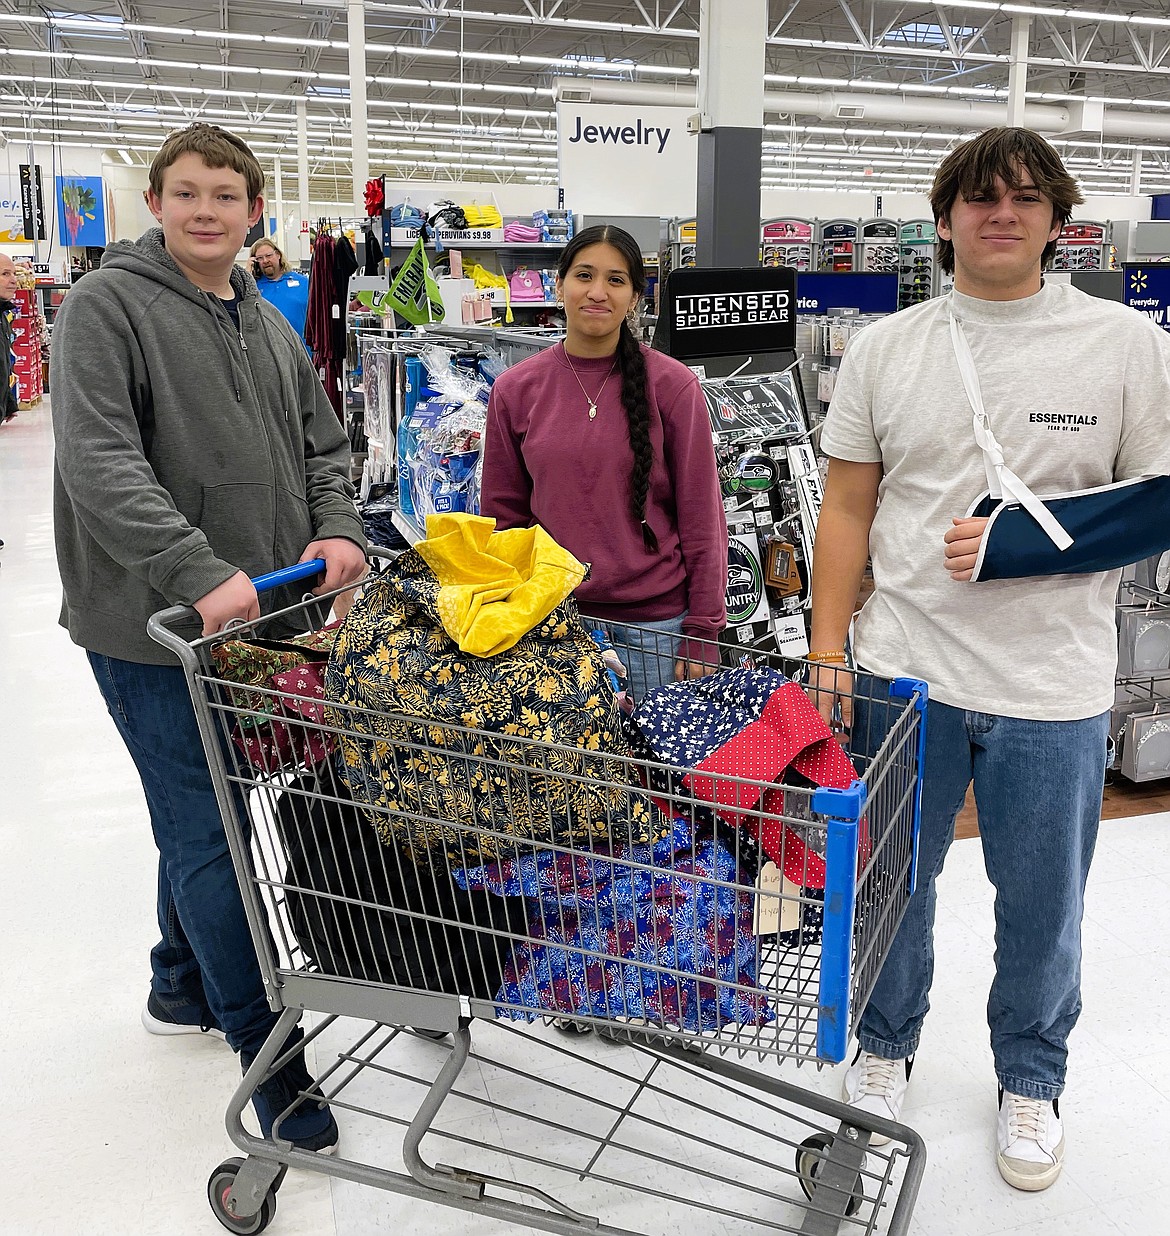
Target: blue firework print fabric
(640, 931)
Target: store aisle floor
(113, 1132)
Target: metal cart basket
(675, 1097)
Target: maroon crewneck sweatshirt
(545, 462)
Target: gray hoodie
(185, 450)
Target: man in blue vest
(287, 290)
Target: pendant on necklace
(592, 411)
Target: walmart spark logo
(1138, 281)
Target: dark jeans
(1038, 790)
(206, 950)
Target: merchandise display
(1085, 245)
(771, 487)
(837, 245)
(787, 242)
(879, 246)
(916, 262)
(29, 342)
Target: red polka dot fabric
(744, 726)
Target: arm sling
(1079, 532)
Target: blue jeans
(206, 950)
(648, 651)
(1038, 788)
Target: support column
(1018, 68)
(731, 110)
(1135, 174)
(278, 191)
(304, 252)
(358, 128)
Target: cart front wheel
(810, 1158)
(219, 1185)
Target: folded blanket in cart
(750, 724)
(464, 733)
(655, 932)
(288, 735)
(254, 660)
(362, 910)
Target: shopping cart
(684, 1107)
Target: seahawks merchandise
(771, 488)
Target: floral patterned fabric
(274, 746)
(753, 724)
(460, 745)
(678, 917)
(254, 661)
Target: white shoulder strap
(1002, 482)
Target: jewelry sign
(728, 312)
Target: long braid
(633, 369)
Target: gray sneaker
(185, 1019)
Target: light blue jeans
(1038, 788)
(648, 650)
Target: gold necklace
(592, 402)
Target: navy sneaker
(291, 1102)
(183, 1019)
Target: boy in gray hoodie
(195, 448)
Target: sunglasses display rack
(837, 247)
(1085, 246)
(917, 262)
(879, 246)
(787, 242)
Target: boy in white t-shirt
(1020, 671)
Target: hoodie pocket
(240, 523)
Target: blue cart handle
(289, 575)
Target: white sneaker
(877, 1086)
(1030, 1139)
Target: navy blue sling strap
(1076, 533)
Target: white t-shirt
(1042, 648)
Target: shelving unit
(27, 341)
(1139, 724)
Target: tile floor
(114, 1132)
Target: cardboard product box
(1119, 718)
(1145, 752)
(1143, 641)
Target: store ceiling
(467, 91)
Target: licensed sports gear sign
(727, 312)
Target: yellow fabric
(484, 278)
(494, 587)
(482, 216)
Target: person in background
(195, 448)
(9, 402)
(607, 446)
(8, 396)
(1020, 671)
(287, 290)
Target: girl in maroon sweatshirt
(606, 445)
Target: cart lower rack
(408, 876)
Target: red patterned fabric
(737, 733)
